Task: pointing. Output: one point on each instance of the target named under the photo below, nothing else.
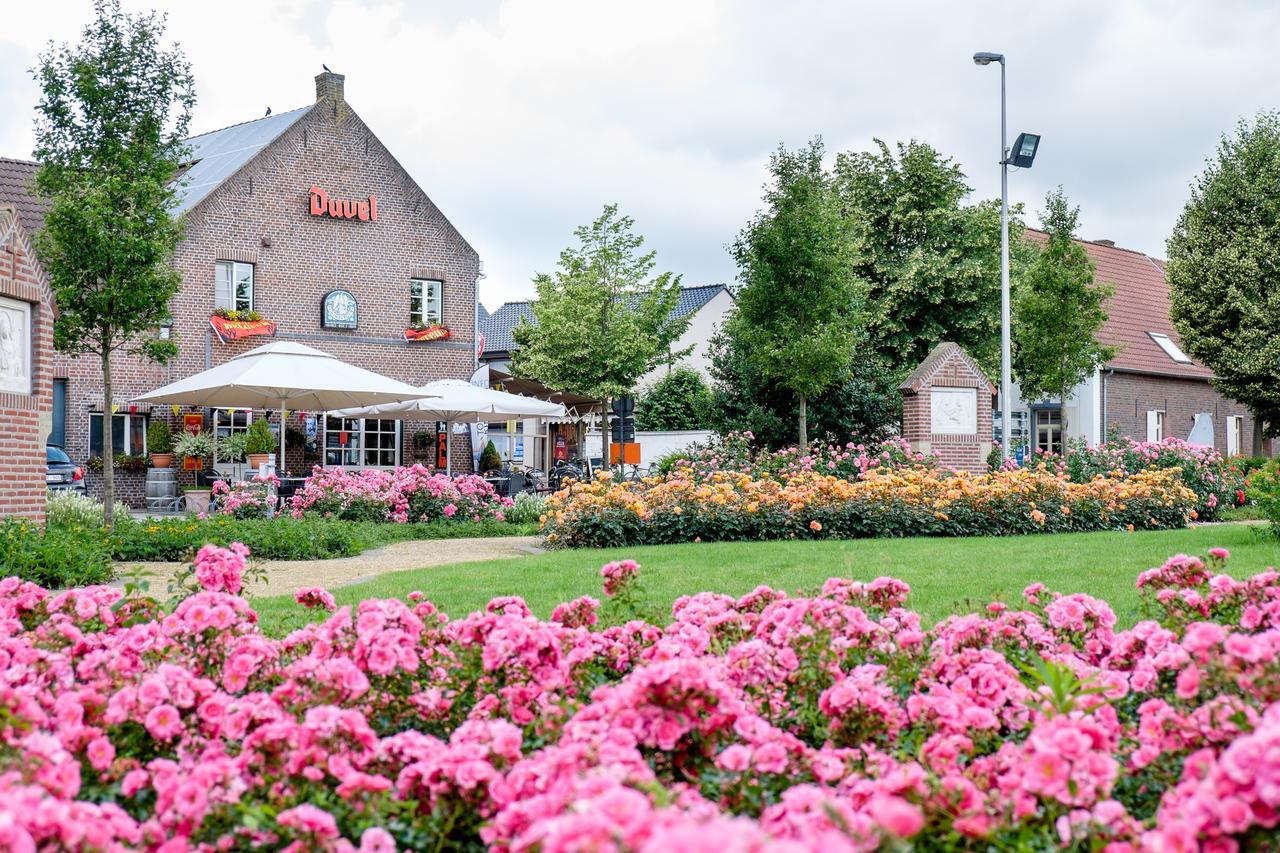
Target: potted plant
(199, 445)
(260, 443)
(160, 443)
(231, 448)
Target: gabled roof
(938, 356)
(1139, 307)
(219, 154)
(215, 156)
(498, 326)
(17, 190)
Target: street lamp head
(986, 57)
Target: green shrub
(54, 556)
(527, 509)
(159, 439)
(284, 538)
(71, 509)
(1264, 491)
(1248, 464)
(197, 444)
(260, 438)
(489, 458)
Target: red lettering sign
(365, 210)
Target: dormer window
(1170, 348)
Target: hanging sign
(365, 210)
(230, 330)
(193, 424)
(338, 310)
(437, 332)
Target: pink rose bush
(400, 495)
(832, 721)
(252, 498)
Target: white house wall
(702, 326)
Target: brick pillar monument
(946, 409)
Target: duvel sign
(366, 210)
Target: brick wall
(261, 216)
(25, 415)
(1129, 396)
(961, 452)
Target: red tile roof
(1140, 305)
(17, 190)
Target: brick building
(946, 409)
(305, 219)
(1151, 390)
(26, 368)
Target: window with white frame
(233, 286)
(228, 422)
(1155, 425)
(426, 304)
(1170, 347)
(361, 442)
(1235, 431)
(128, 434)
(1049, 430)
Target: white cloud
(522, 118)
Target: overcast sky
(521, 119)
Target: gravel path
(285, 576)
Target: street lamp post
(1006, 344)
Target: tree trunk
(804, 424)
(108, 444)
(604, 432)
(1257, 436)
(1062, 413)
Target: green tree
(863, 401)
(800, 302)
(678, 400)
(1058, 310)
(1224, 270)
(932, 263)
(603, 319)
(111, 119)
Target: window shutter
(223, 294)
(1153, 425)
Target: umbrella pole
(448, 449)
(282, 470)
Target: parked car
(61, 472)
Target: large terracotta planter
(161, 460)
(197, 500)
(257, 460)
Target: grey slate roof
(497, 327)
(216, 155)
(17, 190)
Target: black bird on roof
(267, 113)
(325, 67)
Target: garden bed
(688, 505)
(834, 721)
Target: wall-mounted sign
(365, 210)
(338, 310)
(15, 346)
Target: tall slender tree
(603, 319)
(800, 304)
(1058, 309)
(931, 261)
(1224, 270)
(110, 123)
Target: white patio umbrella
(452, 400)
(283, 375)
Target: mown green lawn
(946, 575)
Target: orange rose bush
(689, 505)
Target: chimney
(1111, 244)
(329, 85)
